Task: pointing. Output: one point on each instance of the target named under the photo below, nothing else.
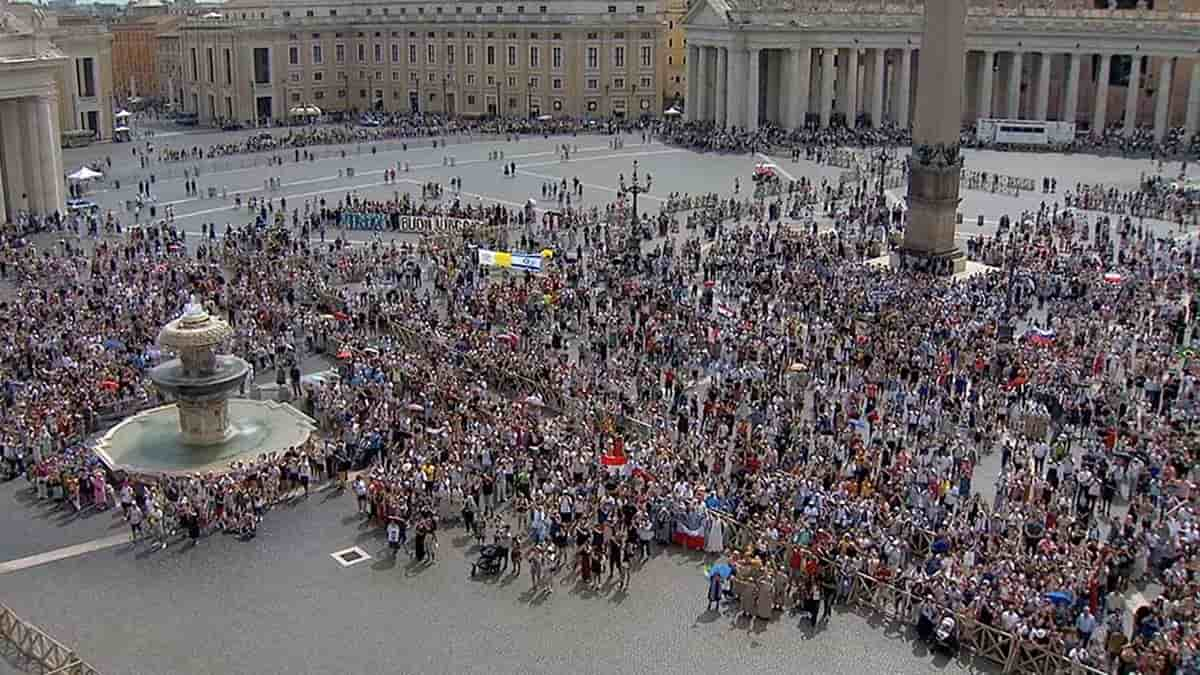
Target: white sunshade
(84, 173)
(672, 111)
(544, 117)
(122, 114)
(119, 129)
(305, 111)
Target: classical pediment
(709, 13)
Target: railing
(42, 653)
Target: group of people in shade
(749, 389)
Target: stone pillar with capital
(1132, 93)
(34, 163)
(736, 99)
(827, 79)
(1071, 103)
(987, 69)
(1041, 105)
(850, 90)
(1162, 102)
(935, 166)
(690, 105)
(878, 74)
(4, 214)
(15, 185)
(1100, 108)
(752, 89)
(1013, 99)
(702, 111)
(801, 74)
(722, 82)
(904, 91)
(1192, 119)
(52, 165)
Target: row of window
(591, 83)
(591, 55)
(542, 9)
(512, 35)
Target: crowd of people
(747, 388)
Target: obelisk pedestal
(935, 167)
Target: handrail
(46, 653)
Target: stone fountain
(205, 428)
(200, 380)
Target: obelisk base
(933, 183)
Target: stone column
(14, 156)
(736, 99)
(1071, 104)
(1100, 109)
(827, 76)
(1013, 99)
(691, 104)
(904, 93)
(4, 215)
(752, 86)
(798, 91)
(722, 85)
(1162, 104)
(987, 62)
(850, 91)
(52, 171)
(1131, 94)
(702, 111)
(1041, 105)
(34, 162)
(1192, 121)
(878, 72)
(936, 165)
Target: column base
(942, 263)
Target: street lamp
(497, 98)
(634, 188)
(885, 156)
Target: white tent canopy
(122, 114)
(672, 112)
(84, 173)
(305, 111)
(121, 128)
(545, 117)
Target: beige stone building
(1132, 64)
(260, 58)
(85, 79)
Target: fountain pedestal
(204, 422)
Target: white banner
(436, 224)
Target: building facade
(135, 54)
(84, 81)
(257, 59)
(797, 62)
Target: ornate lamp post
(634, 188)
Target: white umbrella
(84, 173)
(543, 118)
(305, 111)
(123, 114)
(672, 112)
(212, 15)
(121, 129)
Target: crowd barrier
(42, 653)
(1012, 654)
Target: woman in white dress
(714, 539)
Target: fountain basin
(227, 376)
(151, 442)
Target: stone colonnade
(792, 87)
(31, 171)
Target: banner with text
(516, 261)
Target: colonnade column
(1013, 99)
(983, 107)
(1100, 107)
(722, 85)
(692, 88)
(702, 111)
(1192, 119)
(1162, 104)
(1131, 94)
(736, 97)
(904, 94)
(1071, 105)
(3, 194)
(14, 168)
(850, 89)
(798, 91)
(1041, 106)
(827, 76)
(32, 144)
(878, 71)
(50, 138)
(753, 84)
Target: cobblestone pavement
(281, 604)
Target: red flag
(616, 457)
